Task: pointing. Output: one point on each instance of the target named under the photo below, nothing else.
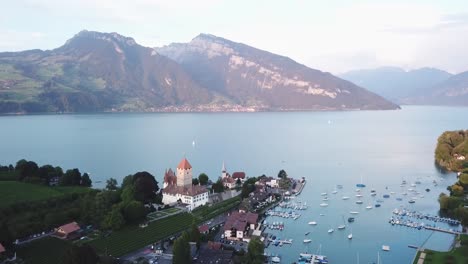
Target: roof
(70, 228)
(229, 180)
(238, 175)
(214, 245)
(184, 164)
(239, 221)
(203, 228)
(213, 256)
(190, 191)
(170, 177)
(2, 249)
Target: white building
(178, 187)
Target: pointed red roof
(184, 164)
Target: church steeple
(223, 171)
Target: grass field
(15, 192)
(132, 238)
(207, 212)
(44, 251)
(456, 256)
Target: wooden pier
(442, 230)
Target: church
(178, 187)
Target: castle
(178, 187)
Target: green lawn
(456, 256)
(44, 251)
(16, 192)
(132, 238)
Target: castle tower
(184, 173)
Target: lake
(327, 148)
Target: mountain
(95, 72)
(250, 76)
(453, 91)
(397, 84)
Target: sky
(333, 35)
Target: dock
(302, 183)
(453, 232)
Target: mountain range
(421, 86)
(95, 72)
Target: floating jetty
(417, 215)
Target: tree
(128, 194)
(85, 180)
(46, 173)
(457, 190)
(282, 174)
(203, 179)
(195, 235)
(71, 178)
(26, 169)
(134, 211)
(111, 184)
(218, 187)
(146, 186)
(255, 252)
(181, 250)
(113, 220)
(195, 181)
(84, 254)
(127, 181)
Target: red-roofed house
(238, 224)
(239, 175)
(2, 249)
(67, 230)
(204, 229)
(229, 182)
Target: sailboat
(360, 185)
(350, 236)
(345, 197)
(331, 230)
(323, 204)
(343, 226)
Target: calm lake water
(327, 148)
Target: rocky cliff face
(251, 76)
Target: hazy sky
(330, 35)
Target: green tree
(464, 179)
(127, 181)
(282, 174)
(181, 250)
(134, 211)
(26, 169)
(128, 194)
(85, 180)
(113, 220)
(218, 186)
(255, 252)
(195, 235)
(203, 179)
(71, 178)
(111, 184)
(84, 254)
(195, 181)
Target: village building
(204, 229)
(178, 187)
(68, 231)
(229, 181)
(238, 225)
(2, 248)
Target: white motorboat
(323, 204)
(312, 223)
(307, 240)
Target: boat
(323, 194)
(339, 186)
(307, 240)
(325, 199)
(369, 207)
(373, 194)
(322, 214)
(358, 195)
(411, 201)
(323, 204)
(331, 230)
(276, 259)
(360, 185)
(350, 219)
(307, 233)
(359, 202)
(312, 223)
(386, 196)
(377, 205)
(350, 236)
(354, 212)
(335, 192)
(345, 198)
(428, 190)
(399, 199)
(343, 226)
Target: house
(229, 182)
(178, 187)
(67, 231)
(2, 248)
(204, 229)
(239, 175)
(238, 225)
(215, 256)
